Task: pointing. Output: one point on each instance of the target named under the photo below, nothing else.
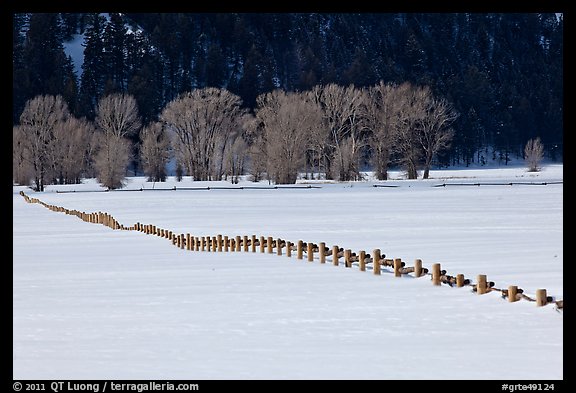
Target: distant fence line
(546, 183)
(208, 188)
(361, 260)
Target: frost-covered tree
(155, 151)
(116, 118)
(533, 154)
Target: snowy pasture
(93, 303)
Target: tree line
(330, 131)
(502, 72)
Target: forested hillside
(502, 73)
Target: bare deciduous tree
(117, 114)
(71, 145)
(342, 110)
(40, 117)
(111, 160)
(287, 120)
(22, 171)
(117, 117)
(435, 132)
(406, 139)
(382, 108)
(533, 154)
(203, 122)
(155, 151)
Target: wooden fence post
(347, 256)
(253, 243)
(362, 261)
(335, 250)
(196, 243)
(278, 246)
(269, 244)
(226, 243)
(182, 241)
(219, 242)
(322, 252)
(238, 245)
(418, 267)
(299, 250)
(397, 267)
(262, 244)
(512, 292)
(376, 261)
(459, 280)
(541, 298)
(310, 251)
(288, 249)
(188, 242)
(481, 286)
(245, 243)
(436, 274)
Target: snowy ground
(90, 302)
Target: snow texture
(93, 303)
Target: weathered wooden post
(376, 262)
(288, 249)
(335, 251)
(299, 249)
(436, 274)
(202, 243)
(418, 267)
(322, 252)
(245, 243)
(362, 261)
(219, 242)
(397, 267)
(182, 241)
(278, 246)
(262, 244)
(196, 243)
(481, 286)
(541, 298)
(188, 242)
(459, 280)
(238, 244)
(512, 292)
(253, 243)
(232, 245)
(225, 243)
(347, 256)
(269, 244)
(310, 251)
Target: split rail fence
(362, 260)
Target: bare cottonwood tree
(155, 151)
(117, 115)
(22, 171)
(435, 132)
(342, 112)
(111, 161)
(533, 154)
(71, 146)
(235, 159)
(40, 117)
(116, 118)
(202, 123)
(287, 120)
(406, 142)
(382, 109)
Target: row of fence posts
(223, 243)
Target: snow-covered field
(90, 302)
